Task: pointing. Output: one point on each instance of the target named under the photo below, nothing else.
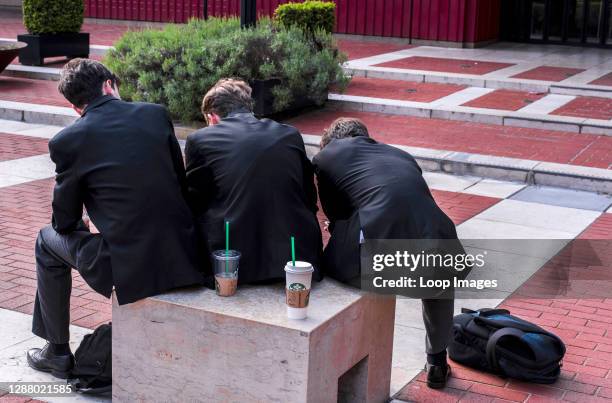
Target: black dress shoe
(43, 359)
(437, 375)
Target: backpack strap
(492, 344)
(484, 312)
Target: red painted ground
(548, 73)
(604, 80)
(583, 324)
(460, 207)
(503, 141)
(400, 90)
(11, 25)
(356, 49)
(587, 107)
(445, 65)
(505, 99)
(43, 92)
(13, 146)
(24, 209)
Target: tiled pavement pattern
(400, 90)
(604, 80)
(445, 65)
(14, 146)
(508, 100)
(589, 107)
(583, 324)
(106, 34)
(26, 90)
(548, 73)
(360, 49)
(480, 208)
(24, 209)
(479, 138)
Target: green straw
(293, 250)
(226, 245)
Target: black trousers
(56, 255)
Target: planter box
(39, 47)
(264, 98)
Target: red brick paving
(445, 65)
(507, 100)
(582, 323)
(548, 73)
(11, 25)
(356, 49)
(24, 209)
(400, 90)
(460, 207)
(587, 107)
(503, 141)
(603, 80)
(15, 146)
(26, 90)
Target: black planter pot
(39, 47)
(264, 98)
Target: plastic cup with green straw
(293, 250)
(226, 245)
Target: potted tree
(53, 27)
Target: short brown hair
(81, 81)
(226, 96)
(342, 128)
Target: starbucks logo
(297, 287)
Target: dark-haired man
(256, 175)
(370, 190)
(122, 162)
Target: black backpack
(497, 342)
(92, 372)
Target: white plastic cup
(297, 289)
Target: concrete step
(438, 110)
(478, 81)
(502, 168)
(431, 159)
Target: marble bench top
(266, 304)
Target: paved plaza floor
(507, 105)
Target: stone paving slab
(583, 324)
(472, 138)
(567, 120)
(564, 197)
(13, 346)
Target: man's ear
(213, 119)
(78, 110)
(110, 88)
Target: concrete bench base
(191, 345)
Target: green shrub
(309, 15)
(177, 65)
(52, 16)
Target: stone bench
(190, 345)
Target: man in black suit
(370, 190)
(123, 163)
(256, 175)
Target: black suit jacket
(122, 161)
(255, 174)
(379, 189)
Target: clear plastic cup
(226, 271)
(299, 279)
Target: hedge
(52, 16)
(177, 65)
(309, 15)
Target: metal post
(248, 13)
